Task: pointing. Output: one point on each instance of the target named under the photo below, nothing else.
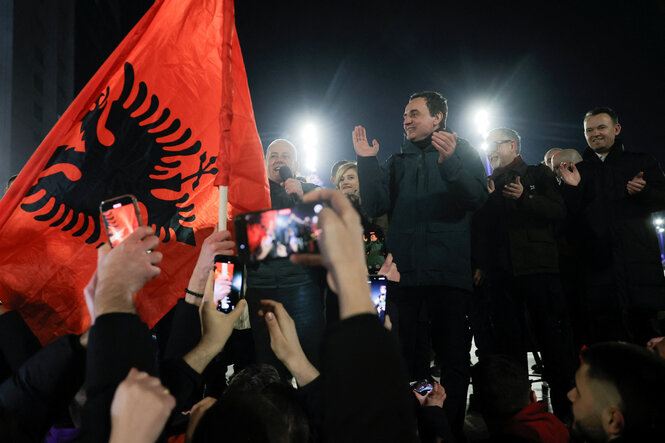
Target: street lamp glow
(482, 121)
(310, 141)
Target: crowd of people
(558, 258)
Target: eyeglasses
(493, 146)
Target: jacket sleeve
(42, 388)
(18, 343)
(652, 197)
(465, 175)
(374, 185)
(365, 384)
(546, 203)
(117, 342)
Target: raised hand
(141, 405)
(513, 190)
(389, 269)
(445, 143)
(122, 271)
(361, 145)
(637, 184)
(342, 252)
(569, 174)
(217, 243)
(285, 343)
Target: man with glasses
(521, 263)
(429, 191)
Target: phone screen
(228, 283)
(379, 290)
(121, 217)
(278, 233)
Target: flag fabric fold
(166, 113)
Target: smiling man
(610, 196)
(429, 191)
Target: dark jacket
(281, 272)
(429, 206)
(615, 236)
(517, 235)
(40, 390)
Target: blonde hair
(342, 170)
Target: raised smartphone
(229, 279)
(278, 233)
(121, 217)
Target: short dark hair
(500, 386)
(253, 378)
(603, 110)
(639, 377)
(435, 103)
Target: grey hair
(510, 134)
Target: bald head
(564, 156)
(548, 157)
(280, 153)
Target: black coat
(614, 233)
(429, 205)
(516, 236)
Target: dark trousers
(541, 297)
(438, 312)
(305, 306)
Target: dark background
(539, 66)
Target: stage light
(484, 146)
(481, 121)
(310, 142)
(658, 221)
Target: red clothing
(536, 424)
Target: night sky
(539, 66)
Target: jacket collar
(408, 147)
(515, 164)
(616, 150)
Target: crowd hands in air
(119, 383)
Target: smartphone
(278, 233)
(121, 217)
(229, 279)
(378, 291)
(422, 387)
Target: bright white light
(482, 121)
(310, 135)
(661, 230)
(658, 221)
(484, 146)
(310, 142)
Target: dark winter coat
(516, 235)
(429, 205)
(614, 232)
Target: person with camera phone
(270, 275)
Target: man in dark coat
(610, 196)
(429, 191)
(515, 227)
(298, 288)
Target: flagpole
(223, 202)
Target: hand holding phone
(228, 283)
(121, 217)
(278, 233)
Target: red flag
(149, 123)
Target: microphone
(285, 173)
